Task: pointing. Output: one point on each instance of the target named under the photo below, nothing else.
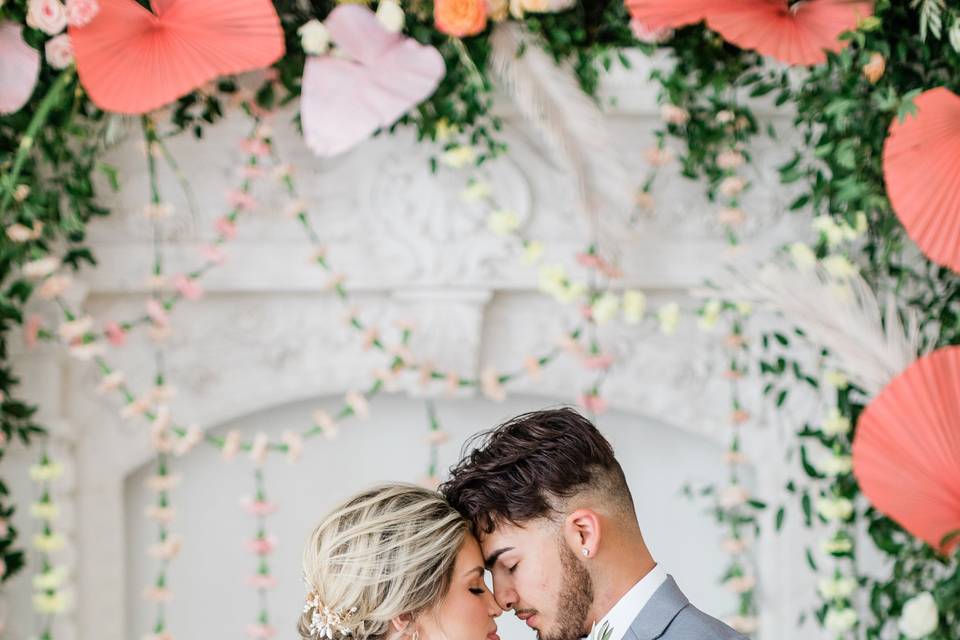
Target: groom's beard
(574, 600)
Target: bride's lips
(493, 635)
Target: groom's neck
(623, 567)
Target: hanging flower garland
(262, 544)
(49, 599)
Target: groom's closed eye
(493, 557)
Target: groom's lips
(528, 618)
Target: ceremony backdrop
(228, 302)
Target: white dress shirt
(622, 615)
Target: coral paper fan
(19, 66)
(376, 77)
(132, 60)
(797, 34)
(921, 166)
(663, 14)
(906, 453)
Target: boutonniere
(603, 633)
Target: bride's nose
(492, 607)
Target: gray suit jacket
(670, 616)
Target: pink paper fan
(19, 66)
(921, 166)
(373, 78)
(667, 14)
(797, 34)
(131, 60)
(906, 453)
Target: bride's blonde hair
(383, 553)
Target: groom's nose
(505, 596)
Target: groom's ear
(581, 531)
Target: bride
(393, 562)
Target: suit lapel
(659, 612)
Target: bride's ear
(581, 531)
(400, 624)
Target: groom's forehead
(505, 537)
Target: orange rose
(460, 18)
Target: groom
(556, 521)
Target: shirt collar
(627, 608)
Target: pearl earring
(586, 552)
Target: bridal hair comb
(327, 623)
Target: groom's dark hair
(526, 467)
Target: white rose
(390, 16)
(476, 191)
(833, 509)
(835, 424)
(710, 315)
(733, 496)
(836, 588)
(503, 222)
(836, 545)
(532, 252)
(803, 256)
(48, 16)
(836, 379)
(920, 617)
(835, 465)
(59, 51)
(841, 620)
(459, 157)
(546, 6)
(669, 316)
(605, 308)
(634, 305)
(839, 267)
(41, 268)
(314, 37)
(826, 226)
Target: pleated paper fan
(797, 34)
(906, 453)
(921, 166)
(667, 14)
(19, 66)
(374, 78)
(131, 60)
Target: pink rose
(59, 51)
(258, 508)
(188, 287)
(593, 403)
(47, 16)
(31, 330)
(81, 12)
(643, 33)
(241, 200)
(115, 334)
(262, 546)
(212, 254)
(226, 228)
(157, 313)
(255, 147)
(260, 631)
(262, 582)
(597, 361)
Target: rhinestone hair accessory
(325, 623)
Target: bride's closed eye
(477, 591)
